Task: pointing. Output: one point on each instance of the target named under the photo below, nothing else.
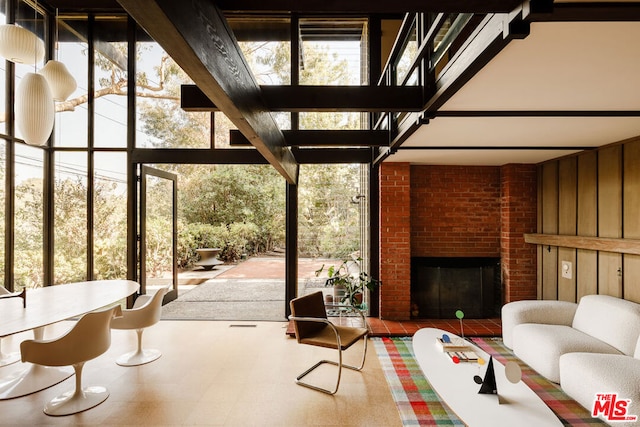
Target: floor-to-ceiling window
(68, 204)
(65, 202)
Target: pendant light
(34, 112)
(60, 79)
(20, 45)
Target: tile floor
(394, 328)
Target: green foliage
(224, 194)
(109, 231)
(192, 236)
(327, 219)
(29, 267)
(234, 240)
(349, 275)
(70, 230)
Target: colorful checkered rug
(419, 405)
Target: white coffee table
(455, 385)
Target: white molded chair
(146, 312)
(86, 340)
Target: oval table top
(515, 404)
(52, 304)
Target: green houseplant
(350, 277)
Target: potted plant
(350, 277)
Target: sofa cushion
(583, 375)
(609, 319)
(540, 346)
(535, 311)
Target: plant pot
(356, 299)
(338, 293)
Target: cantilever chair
(309, 317)
(146, 312)
(86, 340)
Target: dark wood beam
(324, 138)
(332, 155)
(320, 98)
(247, 156)
(368, 6)
(196, 35)
(221, 156)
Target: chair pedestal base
(73, 401)
(31, 378)
(9, 358)
(139, 357)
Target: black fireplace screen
(441, 286)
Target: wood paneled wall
(593, 194)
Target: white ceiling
(568, 66)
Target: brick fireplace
(455, 212)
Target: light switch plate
(567, 269)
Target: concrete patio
(251, 290)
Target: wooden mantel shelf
(623, 246)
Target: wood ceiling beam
(247, 156)
(324, 138)
(320, 98)
(368, 6)
(196, 35)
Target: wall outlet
(567, 269)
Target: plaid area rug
(419, 405)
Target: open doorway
(237, 213)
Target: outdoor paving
(252, 290)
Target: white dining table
(45, 306)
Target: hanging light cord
(35, 48)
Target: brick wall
(395, 241)
(518, 216)
(455, 211)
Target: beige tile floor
(213, 373)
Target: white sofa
(590, 347)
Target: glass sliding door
(158, 231)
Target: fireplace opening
(441, 286)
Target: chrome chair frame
(338, 347)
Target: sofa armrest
(535, 311)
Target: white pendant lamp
(20, 45)
(60, 80)
(58, 76)
(34, 109)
